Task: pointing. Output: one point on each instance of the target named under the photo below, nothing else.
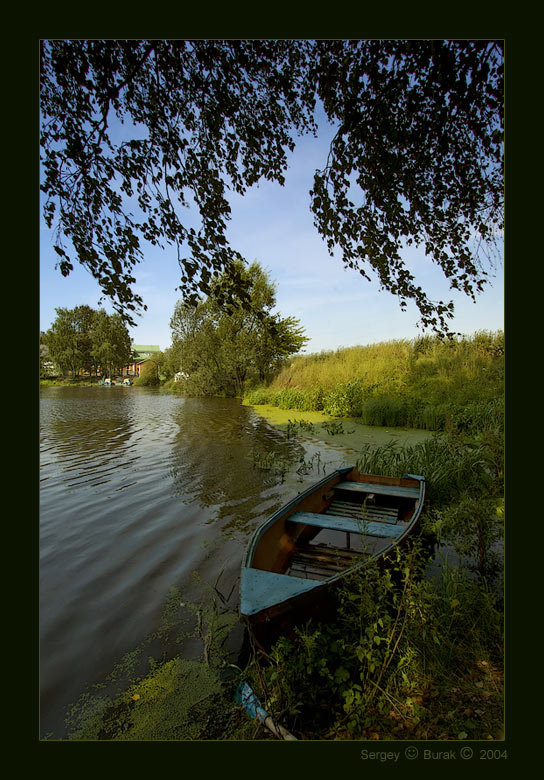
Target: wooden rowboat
(298, 557)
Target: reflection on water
(139, 490)
(213, 461)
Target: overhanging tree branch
(417, 157)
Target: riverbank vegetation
(415, 651)
(426, 383)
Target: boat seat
(347, 524)
(381, 490)
(261, 589)
(382, 514)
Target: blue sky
(274, 225)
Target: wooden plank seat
(320, 561)
(380, 514)
(346, 524)
(381, 490)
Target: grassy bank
(426, 383)
(64, 381)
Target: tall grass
(452, 468)
(425, 383)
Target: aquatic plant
(271, 461)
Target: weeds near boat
(335, 427)
(271, 462)
(275, 464)
(294, 427)
(464, 491)
(410, 657)
(452, 467)
(311, 465)
(406, 659)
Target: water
(139, 490)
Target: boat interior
(354, 521)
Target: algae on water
(178, 698)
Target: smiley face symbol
(411, 752)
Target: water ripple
(138, 491)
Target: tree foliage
(111, 344)
(220, 350)
(417, 156)
(149, 376)
(84, 338)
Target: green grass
(425, 383)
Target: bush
(260, 396)
(346, 400)
(149, 376)
(480, 416)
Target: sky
(273, 225)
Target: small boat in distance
(126, 382)
(298, 557)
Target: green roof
(140, 348)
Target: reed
(452, 468)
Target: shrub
(393, 659)
(346, 400)
(149, 376)
(480, 416)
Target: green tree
(220, 349)
(111, 345)
(87, 339)
(68, 340)
(150, 374)
(417, 156)
(46, 364)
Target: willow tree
(135, 131)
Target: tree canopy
(417, 155)
(218, 350)
(89, 339)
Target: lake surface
(139, 491)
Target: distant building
(143, 353)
